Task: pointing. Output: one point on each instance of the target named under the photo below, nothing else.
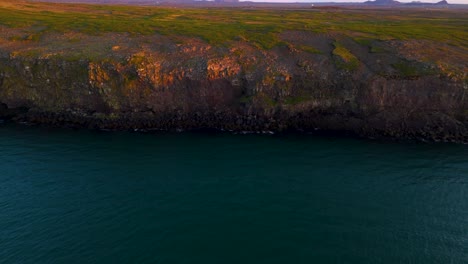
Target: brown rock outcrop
(197, 86)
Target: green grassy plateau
(219, 26)
(437, 37)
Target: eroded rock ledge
(194, 86)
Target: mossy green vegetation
(411, 69)
(294, 100)
(220, 26)
(372, 44)
(364, 41)
(344, 58)
(309, 49)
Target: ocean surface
(71, 196)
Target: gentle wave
(109, 197)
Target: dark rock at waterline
(11, 113)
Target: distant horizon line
(343, 1)
(451, 2)
(319, 1)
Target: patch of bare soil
(321, 42)
(443, 55)
(78, 45)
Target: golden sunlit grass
(219, 26)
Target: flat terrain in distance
(32, 21)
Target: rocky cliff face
(195, 86)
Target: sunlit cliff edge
(372, 73)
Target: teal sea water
(93, 197)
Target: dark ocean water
(90, 197)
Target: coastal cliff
(309, 82)
(239, 89)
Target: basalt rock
(244, 89)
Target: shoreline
(246, 126)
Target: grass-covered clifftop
(393, 72)
(28, 27)
(220, 26)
